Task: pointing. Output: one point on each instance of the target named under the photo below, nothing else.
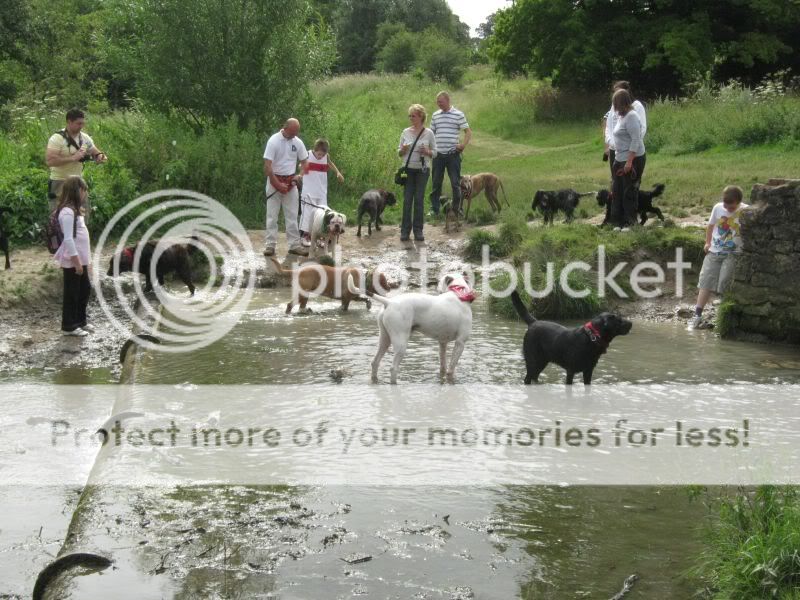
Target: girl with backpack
(73, 256)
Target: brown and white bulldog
(327, 225)
(321, 280)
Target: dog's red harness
(594, 335)
(128, 253)
(462, 292)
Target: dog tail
(657, 190)
(353, 289)
(279, 267)
(586, 194)
(500, 183)
(523, 312)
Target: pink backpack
(53, 236)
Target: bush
(399, 54)
(557, 304)
(477, 239)
(442, 59)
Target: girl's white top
(79, 245)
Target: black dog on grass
(560, 200)
(576, 350)
(175, 259)
(645, 203)
(4, 235)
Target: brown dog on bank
(335, 279)
(472, 185)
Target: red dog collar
(463, 293)
(595, 336)
(128, 253)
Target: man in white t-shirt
(723, 246)
(284, 150)
(67, 150)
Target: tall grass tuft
(753, 545)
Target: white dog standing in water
(327, 225)
(446, 318)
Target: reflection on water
(422, 542)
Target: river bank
(30, 297)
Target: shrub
(399, 54)
(557, 304)
(442, 59)
(477, 239)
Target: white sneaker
(89, 327)
(76, 333)
(695, 322)
(617, 228)
(625, 229)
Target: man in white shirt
(284, 150)
(446, 124)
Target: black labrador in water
(4, 235)
(645, 203)
(576, 350)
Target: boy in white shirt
(723, 245)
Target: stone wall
(764, 301)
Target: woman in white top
(73, 257)
(628, 161)
(418, 163)
(610, 120)
(315, 186)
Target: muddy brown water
(291, 542)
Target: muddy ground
(30, 299)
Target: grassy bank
(538, 249)
(534, 137)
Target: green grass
(753, 545)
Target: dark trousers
(452, 164)
(625, 192)
(76, 298)
(414, 202)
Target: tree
(661, 45)
(249, 59)
(397, 48)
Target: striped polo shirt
(445, 126)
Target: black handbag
(401, 176)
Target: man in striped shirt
(446, 124)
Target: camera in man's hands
(87, 158)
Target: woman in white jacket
(73, 257)
(610, 121)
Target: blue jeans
(414, 202)
(452, 163)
